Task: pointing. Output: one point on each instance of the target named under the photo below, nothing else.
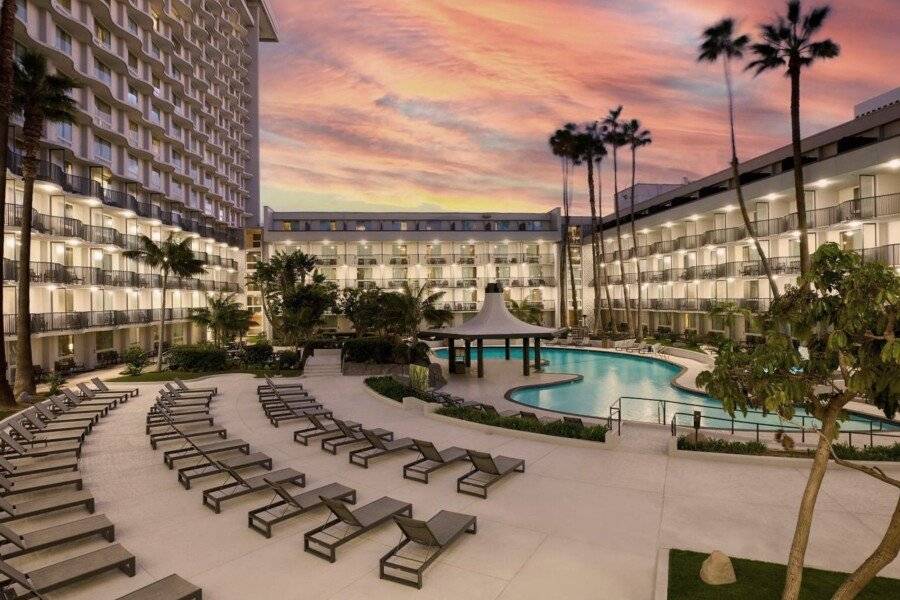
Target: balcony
(73, 321)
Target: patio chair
(323, 542)
(167, 398)
(379, 447)
(532, 416)
(291, 413)
(215, 466)
(319, 428)
(174, 419)
(348, 436)
(574, 421)
(101, 386)
(11, 508)
(12, 448)
(271, 385)
(13, 544)
(174, 434)
(172, 587)
(193, 451)
(11, 469)
(34, 484)
(488, 471)
(77, 401)
(34, 420)
(215, 496)
(86, 392)
(179, 393)
(18, 429)
(431, 461)
(181, 385)
(492, 410)
(436, 534)
(56, 575)
(291, 505)
(50, 413)
(64, 405)
(155, 412)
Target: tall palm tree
(224, 316)
(525, 311)
(788, 43)
(7, 26)
(563, 143)
(720, 42)
(422, 306)
(636, 138)
(171, 257)
(41, 97)
(614, 135)
(598, 158)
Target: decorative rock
(717, 569)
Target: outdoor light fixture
(772, 196)
(854, 224)
(893, 163)
(822, 184)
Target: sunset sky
(448, 104)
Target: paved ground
(579, 523)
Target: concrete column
(537, 354)
(468, 353)
(507, 348)
(451, 354)
(525, 363)
(480, 357)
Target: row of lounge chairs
(39, 451)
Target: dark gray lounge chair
(574, 421)
(291, 505)
(172, 587)
(102, 387)
(179, 420)
(271, 385)
(178, 397)
(215, 496)
(99, 396)
(173, 434)
(175, 392)
(18, 430)
(192, 451)
(38, 422)
(155, 415)
(62, 405)
(323, 541)
(291, 413)
(346, 436)
(488, 471)
(378, 447)
(213, 467)
(17, 449)
(74, 399)
(12, 468)
(181, 385)
(318, 428)
(45, 482)
(431, 460)
(532, 416)
(436, 534)
(51, 413)
(56, 575)
(13, 544)
(11, 508)
(492, 410)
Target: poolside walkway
(579, 523)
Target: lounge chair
(488, 471)
(18, 430)
(174, 400)
(291, 505)
(57, 575)
(50, 413)
(436, 534)
(431, 460)
(75, 400)
(97, 395)
(101, 386)
(11, 508)
(178, 420)
(181, 386)
(492, 410)
(12, 469)
(45, 482)
(355, 523)
(215, 496)
(271, 385)
(13, 544)
(532, 416)
(379, 447)
(64, 405)
(193, 451)
(155, 413)
(214, 467)
(177, 392)
(34, 420)
(574, 421)
(348, 436)
(13, 448)
(175, 434)
(318, 428)
(172, 587)
(288, 412)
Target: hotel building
(692, 247)
(165, 142)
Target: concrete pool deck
(579, 523)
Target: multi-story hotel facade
(692, 247)
(165, 142)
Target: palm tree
(7, 26)
(636, 138)
(171, 258)
(526, 311)
(719, 41)
(563, 143)
(41, 97)
(788, 43)
(422, 306)
(224, 316)
(598, 158)
(614, 135)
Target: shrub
(286, 359)
(393, 389)
(201, 357)
(384, 350)
(135, 359)
(258, 354)
(686, 442)
(891, 452)
(596, 433)
(56, 381)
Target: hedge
(720, 445)
(258, 354)
(874, 453)
(393, 389)
(596, 433)
(197, 358)
(384, 350)
(891, 452)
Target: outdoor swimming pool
(607, 376)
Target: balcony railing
(71, 321)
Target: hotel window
(65, 345)
(103, 72)
(398, 249)
(102, 35)
(399, 273)
(102, 149)
(133, 97)
(132, 62)
(155, 114)
(364, 249)
(104, 111)
(105, 340)
(133, 26)
(132, 165)
(64, 132)
(435, 272)
(63, 41)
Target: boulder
(717, 569)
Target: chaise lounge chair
(175, 434)
(11, 508)
(12, 468)
(13, 448)
(291, 505)
(34, 484)
(172, 587)
(13, 544)
(214, 466)
(56, 575)
(34, 420)
(350, 436)
(181, 386)
(99, 396)
(18, 430)
(488, 471)
(51, 413)
(102, 387)
(532, 416)
(436, 534)
(195, 451)
(492, 410)
(318, 428)
(215, 496)
(431, 460)
(378, 447)
(271, 385)
(178, 393)
(75, 400)
(324, 543)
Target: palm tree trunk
(595, 251)
(794, 573)
(637, 262)
(883, 555)
(628, 318)
(162, 322)
(794, 70)
(563, 304)
(24, 368)
(568, 243)
(7, 26)
(609, 314)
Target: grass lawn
(761, 581)
(151, 376)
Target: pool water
(607, 376)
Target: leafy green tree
(171, 258)
(224, 316)
(843, 314)
(729, 311)
(787, 43)
(40, 97)
(421, 306)
(720, 42)
(364, 309)
(279, 275)
(302, 311)
(526, 311)
(7, 27)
